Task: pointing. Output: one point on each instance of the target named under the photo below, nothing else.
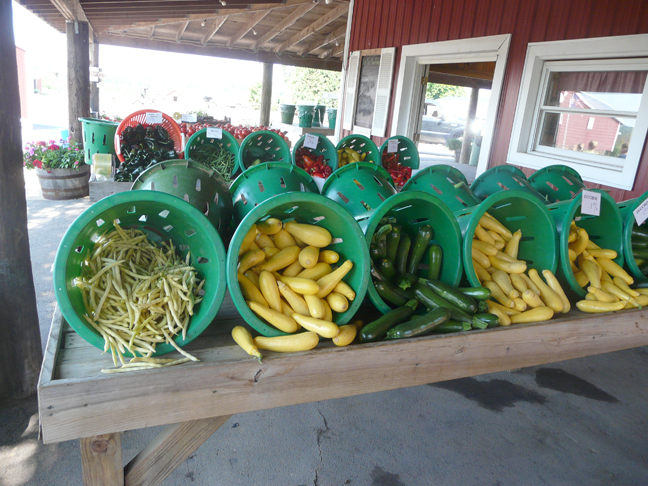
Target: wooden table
(77, 401)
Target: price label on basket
(214, 132)
(641, 213)
(193, 118)
(591, 203)
(310, 141)
(153, 117)
(392, 145)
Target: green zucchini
(386, 267)
(454, 296)
(452, 326)
(436, 256)
(419, 325)
(432, 300)
(491, 319)
(421, 240)
(477, 293)
(640, 232)
(378, 328)
(642, 254)
(639, 243)
(374, 253)
(393, 239)
(403, 252)
(389, 294)
(406, 280)
(380, 232)
(375, 274)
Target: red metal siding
(404, 22)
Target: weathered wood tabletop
(77, 401)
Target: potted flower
(454, 144)
(61, 169)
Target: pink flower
(54, 147)
(41, 144)
(38, 163)
(77, 149)
(76, 163)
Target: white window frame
(588, 55)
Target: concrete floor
(578, 422)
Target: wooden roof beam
(72, 10)
(322, 22)
(332, 37)
(247, 28)
(181, 31)
(218, 23)
(297, 14)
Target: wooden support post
(266, 94)
(94, 62)
(468, 137)
(78, 65)
(101, 460)
(20, 346)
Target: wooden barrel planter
(60, 184)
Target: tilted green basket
(227, 142)
(407, 151)
(265, 146)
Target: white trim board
(415, 57)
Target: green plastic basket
(348, 241)
(515, 210)
(264, 145)
(359, 187)
(163, 217)
(626, 208)
(414, 209)
(605, 230)
(324, 147)
(407, 151)
(264, 181)
(362, 145)
(503, 178)
(98, 137)
(228, 142)
(446, 183)
(557, 182)
(197, 184)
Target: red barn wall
(396, 23)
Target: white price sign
(214, 132)
(310, 141)
(153, 117)
(189, 118)
(641, 213)
(392, 145)
(591, 203)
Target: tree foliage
(435, 91)
(255, 95)
(311, 85)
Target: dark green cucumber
(406, 280)
(452, 326)
(436, 256)
(377, 329)
(453, 295)
(393, 239)
(491, 319)
(432, 300)
(403, 252)
(477, 293)
(421, 240)
(389, 294)
(419, 325)
(386, 267)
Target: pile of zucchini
(395, 259)
(640, 247)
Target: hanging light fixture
(336, 43)
(202, 23)
(253, 32)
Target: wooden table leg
(101, 460)
(168, 450)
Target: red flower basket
(168, 123)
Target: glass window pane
(601, 135)
(610, 91)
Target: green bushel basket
(164, 218)
(98, 137)
(362, 145)
(197, 184)
(264, 181)
(503, 178)
(331, 114)
(414, 209)
(359, 187)
(264, 145)
(407, 151)
(516, 210)
(318, 116)
(228, 142)
(627, 215)
(605, 230)
(305, 115)
(287, 113)
(557, 182)
(324, 147)
(446, 183)
(303, 207)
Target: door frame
(413, 61)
